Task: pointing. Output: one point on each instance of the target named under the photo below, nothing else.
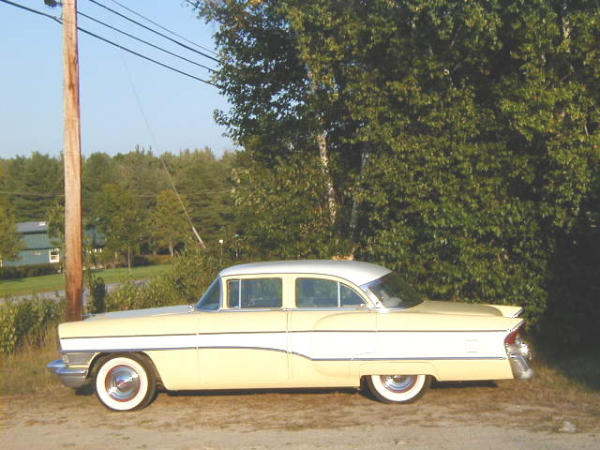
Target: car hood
(150, 312)
(463, 309)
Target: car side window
(318, 293)
(254, 293)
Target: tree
(10, 241)
(281, 211)
(463, 136)
(32, 184)
(204, 181)
(99, 169)
(119, 218)
(168, 224)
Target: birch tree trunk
(324, 157)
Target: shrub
(190, 275)
(28, 271)
(28, 321)
(97, 289)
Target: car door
(243, 343)
(330, 329)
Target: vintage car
(293, 324)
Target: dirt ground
(506, 415)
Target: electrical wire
(154, 31)
(164, 29)
(144, 41)
(147, 58)
(48, 195)
(31, 10)
(89, 33)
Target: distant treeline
(129, 198)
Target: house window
(54, 255)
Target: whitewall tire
(398, 388)
(125, 382)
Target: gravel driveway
(506, 415)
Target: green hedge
(28, 321)
(11, 272)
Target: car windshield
(211, 300)
(393, 292)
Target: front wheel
(125, 382)
(398, 388)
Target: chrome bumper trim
(70, 377)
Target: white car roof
(356, 272)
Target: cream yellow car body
(289, 346)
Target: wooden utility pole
(72, 159)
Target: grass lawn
(56, 282)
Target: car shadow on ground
(88, 389)
(242, 392)
(463, 384)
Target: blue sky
(125, 101)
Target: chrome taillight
(518, 354)
(514, 337)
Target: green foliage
(168, 224)
(97, 292)
(204, 182)
(27, 321)
(34, 270)
(281, 210)
(191, 273)
(119, 217)
(464, 140)
(10, 241)
(30, 182)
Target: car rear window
(320, 293)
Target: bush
(28, 321)
(28, 271)
(191, 274)
(97, 289)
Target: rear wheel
(398, 388)
(125, 382)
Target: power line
(83, 30)
(163, 28)
(147, 58)
(34, 11)
(48, 195)
(144, 41)
(154, 31)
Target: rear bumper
(70, 377)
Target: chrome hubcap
(398, 383)
(122, 383)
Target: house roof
(32, 227)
